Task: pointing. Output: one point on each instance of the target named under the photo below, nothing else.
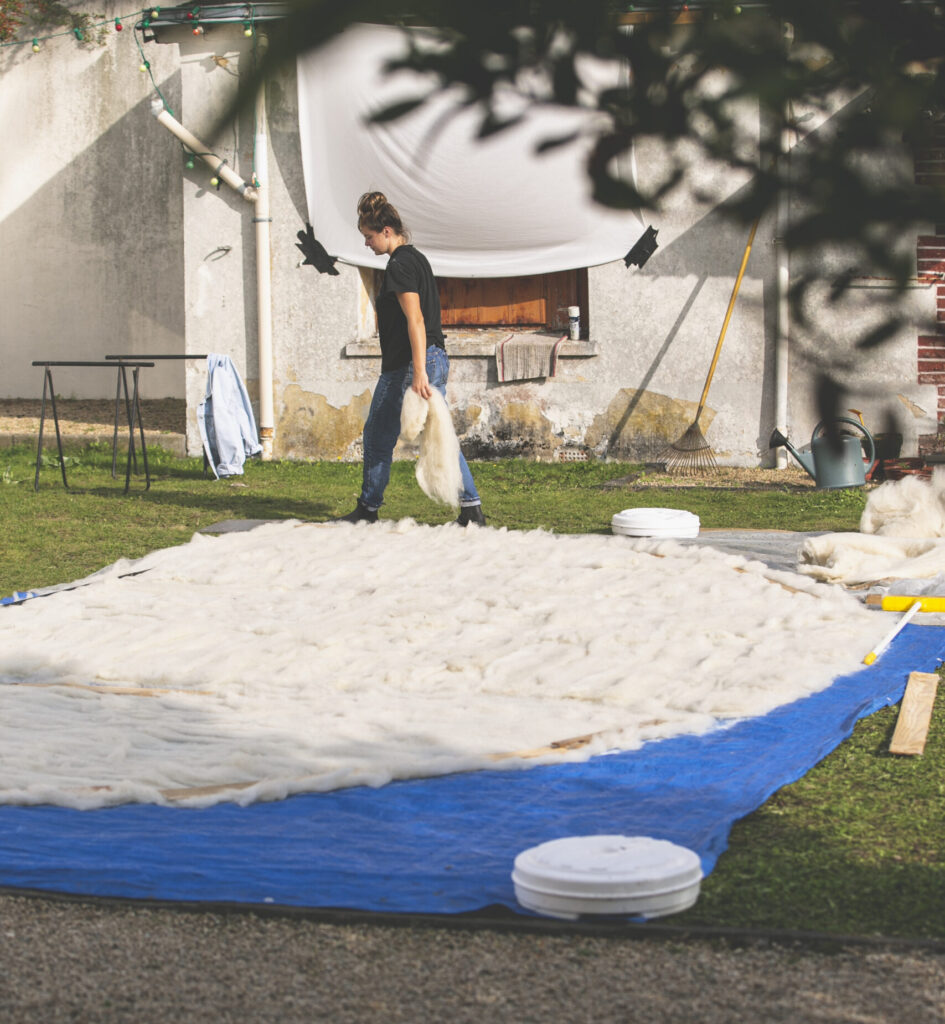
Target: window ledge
(478, 345)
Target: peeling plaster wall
(90, 215)
(138, 251)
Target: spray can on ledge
(574, 322)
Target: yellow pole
(728, 316)
(903, 602)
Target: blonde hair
(375, 212)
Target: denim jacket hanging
(226, 421)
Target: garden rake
(691, 453)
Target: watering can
(834, 461)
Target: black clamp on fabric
(643, 248)
(314, 252)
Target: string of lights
(141, 22)
(83, 35)
(80, 34)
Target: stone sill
(478, 346)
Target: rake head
(691, 453)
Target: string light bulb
(197, 30)
(144, 66)
(247, 29)
(36, 46)
(118, 25)
(215, 181)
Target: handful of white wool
(438, 472)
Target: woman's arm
(417, 332)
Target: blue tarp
(446, 845)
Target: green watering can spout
(805, 458)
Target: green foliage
(48, 15)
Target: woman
(413, 354)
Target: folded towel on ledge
(527, 356)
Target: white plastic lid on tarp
(655, 522)
(634, 876)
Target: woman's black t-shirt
(408, 270)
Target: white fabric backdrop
(492, 208)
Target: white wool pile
(856, 558)
(438, 472)
(302, 657)
(899, 538)
(910, 507)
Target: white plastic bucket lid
(604, 874)
(655, 522)
(617, 866)
(573, 907)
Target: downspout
(783, 273)
(257, 194)
(783, 306)
(263, 222)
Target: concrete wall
(161, 257)
(90, 214)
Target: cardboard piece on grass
(604, 874)
(655, 522)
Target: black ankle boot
(361, 514)
(471, 514)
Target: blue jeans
(383, 428)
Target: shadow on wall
(283, 114)
(92, 262)
(639, 422)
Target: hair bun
(371, 204)
(376, 213)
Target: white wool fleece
(909, 507)
(438, 472)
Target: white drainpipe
(219, 167)
(263, 222)
(782, 346)
(259, 196)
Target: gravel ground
(70, 961)
(20, 416)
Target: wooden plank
(121, 691)
(738, 568)
(915, 713)
(195, 791)
(574, 743)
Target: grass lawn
(856, 846)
